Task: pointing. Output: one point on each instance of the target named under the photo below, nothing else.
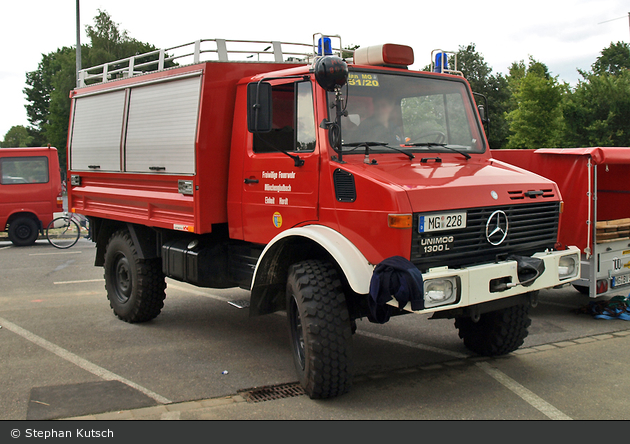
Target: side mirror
(482, 113)
(259, 107)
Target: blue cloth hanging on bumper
(394, 277)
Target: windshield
(412, 113)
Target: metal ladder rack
(221, 50)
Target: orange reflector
(561, 206)
(399, 220)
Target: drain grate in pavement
(269, 393)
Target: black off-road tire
(320, 329)
(23, 232)
(496, 333)
(135, 287)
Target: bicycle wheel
(63, 232)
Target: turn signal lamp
(387, 54)
(399, 220)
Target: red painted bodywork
(224, 160)
(153, 199)
(569, 168)
(41, 200)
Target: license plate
(441, 222)
(623, 279)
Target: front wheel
(495, 333)
(23, 232)
(63, 232)
(320, 329)
(135, 287)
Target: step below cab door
(281, 168)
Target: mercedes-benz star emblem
(497, 227)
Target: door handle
(251, 180)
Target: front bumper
(478, 284)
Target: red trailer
(596, 192)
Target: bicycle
(64, 231)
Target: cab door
(281, 168)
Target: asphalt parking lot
(66, 356)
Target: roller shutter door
(162, 127)
(97, 128)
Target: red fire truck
(596, 216)
(332, 186)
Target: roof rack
(221, 50)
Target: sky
(565, 35)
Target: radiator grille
(532, 228)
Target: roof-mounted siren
(331, 71)
(323, 45)
(440, 62)
(387, 54)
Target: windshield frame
(366, 80)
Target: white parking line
(413, 344)
(526, 395)
(56, 253)
(78, 361)
(78, 282)
(197, 292)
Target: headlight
(568, 267)
(440, 291)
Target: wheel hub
(122, 275)
(298, 334)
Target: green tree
(493, 87)
(38, 94)
(48, 87)
(597, 112)
(17, 137)
(536, 118)
(613, 60)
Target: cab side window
(293, 125)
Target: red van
(30, 192)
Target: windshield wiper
(441, 145)
(367, 146)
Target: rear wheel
(496, 333)
(23, 231)
(135, 287)
(320, 329)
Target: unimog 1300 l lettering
(331, 188)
